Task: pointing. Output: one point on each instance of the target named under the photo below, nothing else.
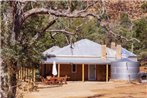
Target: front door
(91, 72)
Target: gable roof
(126, 53)
(85, 48)
(85, 52)
(52, 49)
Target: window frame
(73, 68)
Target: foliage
(141, 33)
(18, 48)
(144, 7)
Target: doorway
(91, 72)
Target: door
(91, 72)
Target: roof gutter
(76, 56)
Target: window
(73, 68)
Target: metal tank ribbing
(124, 69)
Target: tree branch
(57, 13)
(49, 24)
(137, 18)
(39, 34)
(88, 6)
(63, 31)
(122, 37)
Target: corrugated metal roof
(83, 47)
(52, 49)
(86, 52)
(126, 53)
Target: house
(84, 60)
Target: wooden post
(17, 75)
(21, 73)
(58, 70)
(34, 74)
(26, 72)
(107, 74)
(40, 67)
(29, 73)
(83, 73)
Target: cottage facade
(84, 60)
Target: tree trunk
(3, 80)
(12, 81)
(17, 20)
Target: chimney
(118, 51)
(103, 54)
(113, 46)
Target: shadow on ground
(49, 86)
(96, 96)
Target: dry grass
(130, 91)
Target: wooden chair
(65, 79)
(45, 81)
(49, 80)
(62, 79)
(52, 80)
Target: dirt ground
(90, 90)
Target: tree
(18, 43)
(28, 28)
(141, 33)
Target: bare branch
(137, 18)
(57, 13)
(88, 6)
(49, 24)
(52, 35)
(63, 31)
(67, 39)
(122, 37)
(39, 34)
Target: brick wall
(65, 69)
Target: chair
(65, 79)
(45, 81)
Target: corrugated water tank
(124, 69)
